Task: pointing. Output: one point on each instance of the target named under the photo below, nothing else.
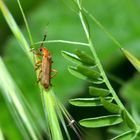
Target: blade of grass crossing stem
(15, 29)
(25, 20)
(70, 119)
(12, 94)
(54, 126)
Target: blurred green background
(121, 18)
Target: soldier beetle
(44, 75)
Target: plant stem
(103, 29)
(26, 23)
(91, 46)
(61, 41)
(52, 115)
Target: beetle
(44, 75)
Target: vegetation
(42, 116)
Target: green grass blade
(12, 94)
(17, 120)
(71, 122)
(60, 112)
(15, 29)
(52, 117)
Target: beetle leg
(36, 52)
(37, 65)
(39, 76)
(53, 70)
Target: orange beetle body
(46, 68)
(44, 75)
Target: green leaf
(111, 107)
(85, 58)
(128, 121)
(129, 135)
(117, 130)
(134, 61)
(71, 57)
(80, 57)
(87, 102)
(94, 91)
(90, 73)
(101, 121)
(86, 74)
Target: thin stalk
(91, 46)
(26, 23)
(70, 119)
(61, 41)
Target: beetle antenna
(43, 40)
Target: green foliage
(127, 32)
(111, 107)
(94, 91)
(85, 58)
(130, 135)
(88, 102)
(101, 121)
(86, 73)
(129, 122)
(97, 74)
(17, 104)
(80, 57)
(71, 57)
